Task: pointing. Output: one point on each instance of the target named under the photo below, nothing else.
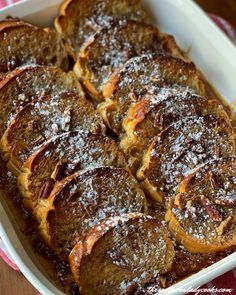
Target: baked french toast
(128, 209)
(80, 19)
(27, 83)
(142, 75)
(106, 52)
(78, 202)
(24, 44)
(62, 156)
(116, 256)
(42, 119)
(180, 149)
(202, 215)
(154, 113)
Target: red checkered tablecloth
(4, 3)
(226, 281)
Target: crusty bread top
(44, 118)
(23, 44)
(9, 22)
(82, 199)
(154, 113)
(108, 50)
(62, 156)
(121, 254)
(79, 19)
(203, 213)
(140, 75)
(27, 83)
(180, 149)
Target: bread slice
(62, 156)
(109, 49)
(27, 83)
(42, 119)
(24, 44)
(180, 149)
(202, 216)
(121, 254)
(79, 201)
(154, 113)
(142, 75)
(79, 19)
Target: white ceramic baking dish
(212, 52)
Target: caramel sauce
(57, 271)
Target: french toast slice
(62, 156)
(24, 44)
(142, 75)
(180, 149)
(154, 113)
(109, 49)
(79, 201)
(202, 215)
(42, 119)
(80, 19)
(27, 83)
(122, 254)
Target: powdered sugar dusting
(157, 76)
(94, 195)
(183, 147)
(100, 15)
(33, 82)
(112, 47)
(201, 213)
(141, 260)
(49, 116)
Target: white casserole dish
(215, 56)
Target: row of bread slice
(38, 103)
(101, 215)
(168, 127)
(103, 35)
(78, 206)
(31, 69)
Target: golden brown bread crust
(180, 149)
(154, 113)
(106, 51)
(142, 75)
(43, 119)
(202, 216)
(116, 251)
(79, 19)
(26, 83)
(23, 44)
(79, 201)
(61, 156)
(12, 22)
